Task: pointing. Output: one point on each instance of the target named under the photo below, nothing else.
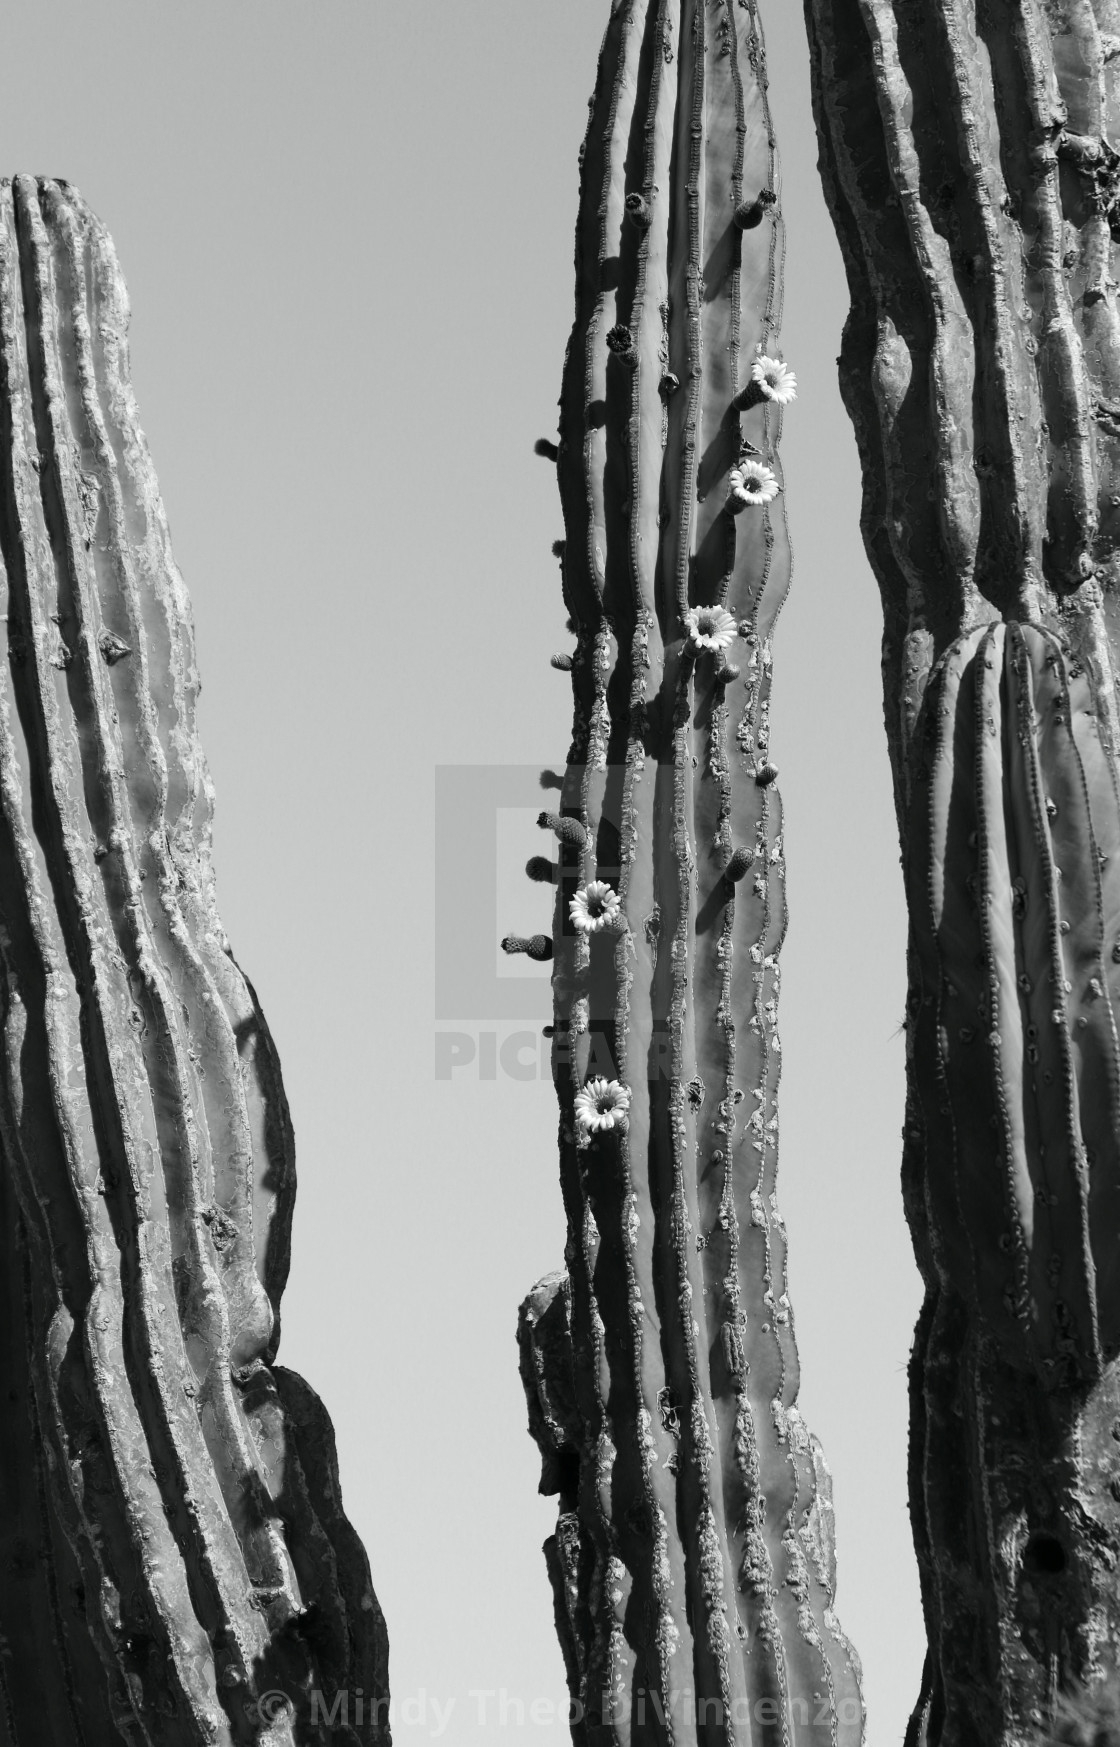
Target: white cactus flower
(710, 627)
(775, 379)
(751, 483)
(594, 906)
(602, 1104)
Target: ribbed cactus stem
(173, 1541)
(971, 176)
(692, 1565)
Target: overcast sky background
(347, 233)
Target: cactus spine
(692, 1565)
(173, 1545)
(973, 183)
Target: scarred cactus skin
(692, 1566)
(172, 1543)
(968, 165)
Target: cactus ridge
(1014, 891)
(693, 1550)
(147, 1148)
(1015, 1041)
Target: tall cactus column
(968, 163)
(175, 1566)
(692, 1566)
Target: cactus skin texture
(692, 1566)
(172, 1542)
(966, 160)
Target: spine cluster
(173, 1551)
(692, 1566)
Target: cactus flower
(711, 627)
(776, 380)
(602, 1104)
(594, 906)
(750, 483)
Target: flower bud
(537, 946)
(620, 341)
(747, 216)
(567, 830)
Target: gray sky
(347, 233)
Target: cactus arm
(141, 1115)
(693, 1554)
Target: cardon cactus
(968, 165)
(176, 1567)
(693, 1565)
(1083, 1719)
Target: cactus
(1083, 1718)
(968, 168)
(176, 1567)
(692, 1566)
